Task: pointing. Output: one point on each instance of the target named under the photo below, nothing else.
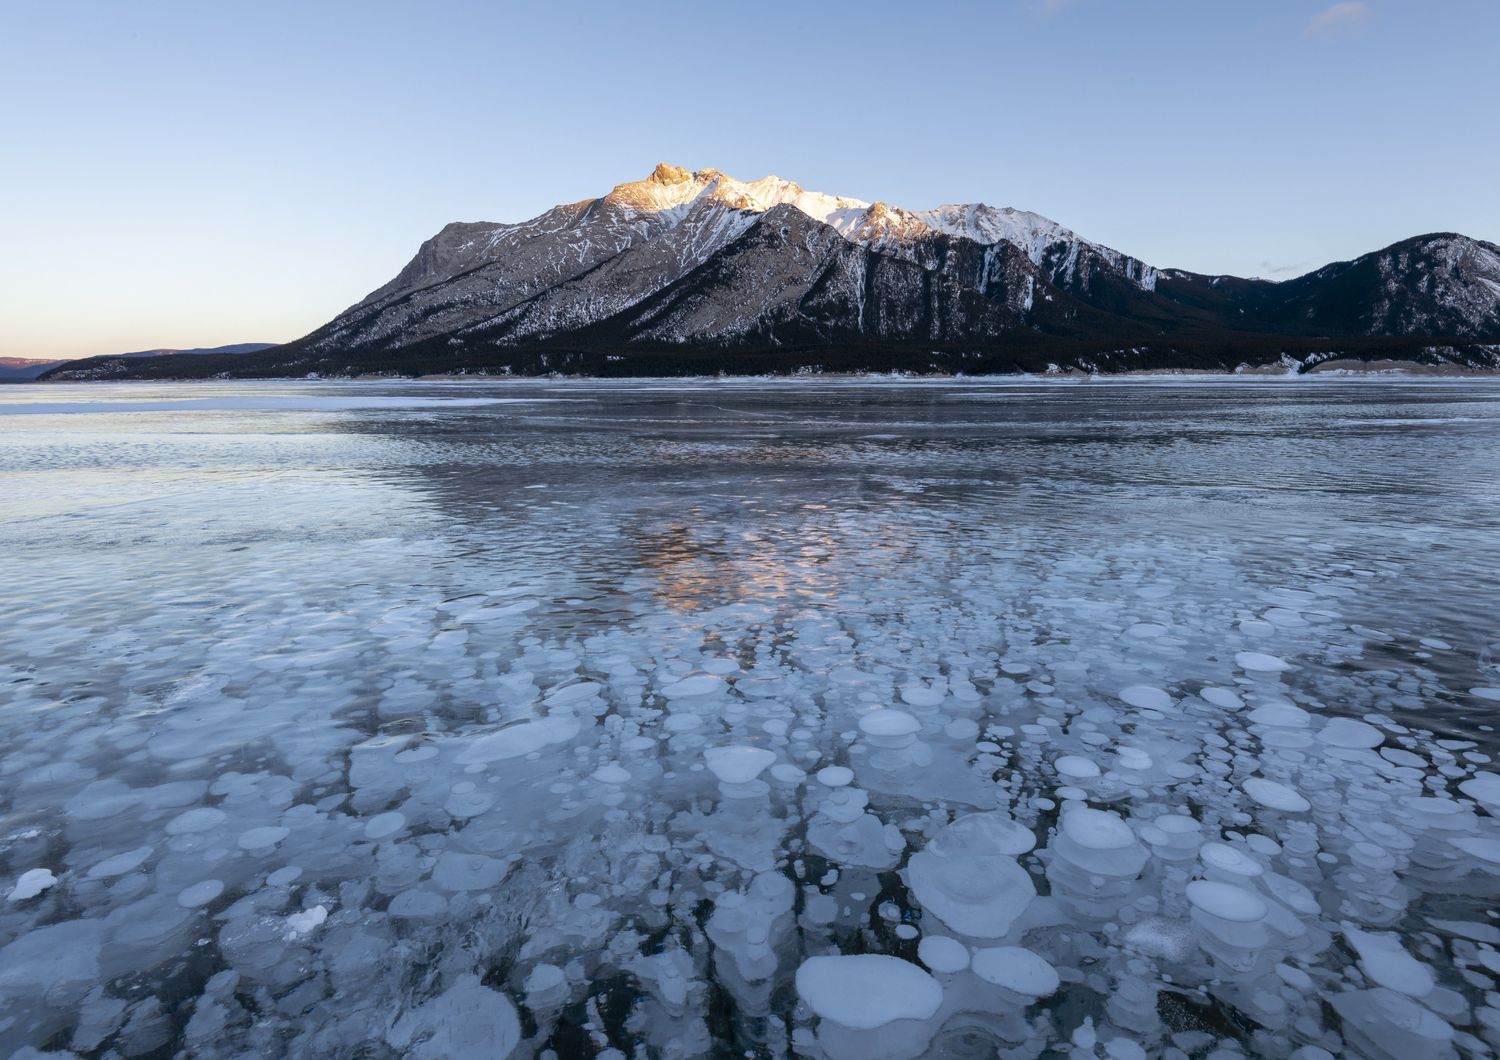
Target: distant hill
(22, 370)
(237, 347)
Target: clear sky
(186, 174)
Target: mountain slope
(190, 363)
(234, 347)
(24, 369)
(699, 260)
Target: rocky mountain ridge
(696, 271)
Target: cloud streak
(1271, 268)
(1338, 16)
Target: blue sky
(180, 174)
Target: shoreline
(1332, 369)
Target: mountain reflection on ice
(827, 719)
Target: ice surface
(329, 734)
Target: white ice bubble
(1346, 732)
(1259, 662)
(1483, 788)
(1280, 714)
(120, 864)
(305, 922)
(1146, 697)
(738, 764)
(200, 819)
(1226, 901)
(1017, 969)
(1097, 829)
(867, 990)
(835, 776)
(200, 893)
(418, 904)
(574, 694)
(696, 685)
(469, 1020)
(544, 979)
(1484, 849)
(1396, 756)
(923, 696)
(383, 825)
(1486, 692)
(1285, 618)
(968, 878)
(1076, 767)
(943, 954)
(1275, 796)
(263, 838)
(31, 883)
(457, 871)
(888, 723)
(517, 740)
(1229, 860)
(1221, 697)
(1388, 964)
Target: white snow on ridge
(671, 192)
(1032, 232)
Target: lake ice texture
(847, 719)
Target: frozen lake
(844, 719)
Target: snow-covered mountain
(698, 261)
(581, 264)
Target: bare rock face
(665, 173)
